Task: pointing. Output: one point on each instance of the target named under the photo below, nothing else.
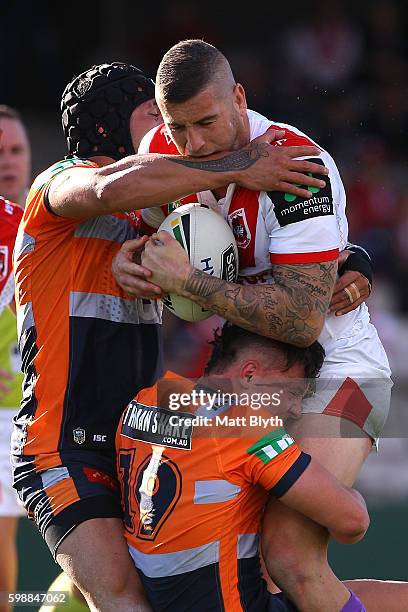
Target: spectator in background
(15, 156)
(15, 171)
(385, 27)
(385, 113)
(326, 49)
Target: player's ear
(240, 97)
(248, 373)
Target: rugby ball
(211, 247)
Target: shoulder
(293, 136)
(55, 169)
(65, 164)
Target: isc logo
(100, 438)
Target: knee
(109, 581)
(116, 583)
(113, 584)
(119, 591)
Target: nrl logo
(240, 229)
(79, 435)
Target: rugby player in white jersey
(288, 250)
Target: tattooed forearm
(291, 310)
(236, 161)
(203, 285)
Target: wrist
(182, 286)
(358, 262)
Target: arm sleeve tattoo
(236, 161)
(291, 310)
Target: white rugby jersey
(275, 227)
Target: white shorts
(10, 504)
(355, 380)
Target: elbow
(313, 328)
(354, 526)
(361, 525)
(301, 332)
(306, 337)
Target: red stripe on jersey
(190, 199)
(243, 217)
(299, 258)
(291, 139)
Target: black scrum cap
(96, 108)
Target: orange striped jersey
(86, 348)
(193, 495)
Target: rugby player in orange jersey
(197, 464)
(86, 347)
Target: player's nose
(6, 158)
(194, 142)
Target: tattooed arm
(142, 181)
(291, 310)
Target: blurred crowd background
(333, 68)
